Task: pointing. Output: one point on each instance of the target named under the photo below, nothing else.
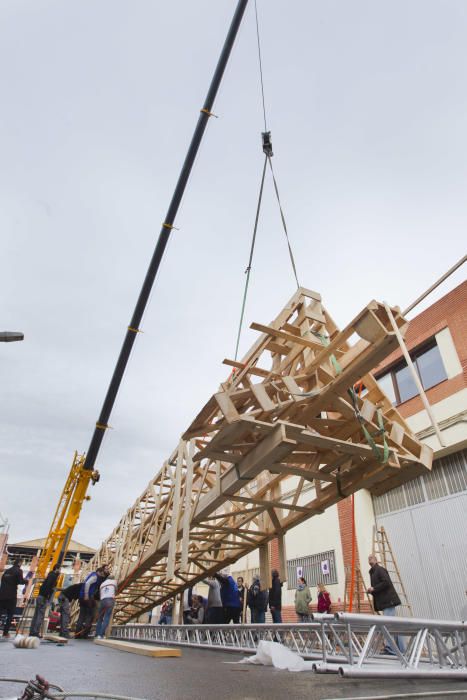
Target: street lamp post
(10, 336)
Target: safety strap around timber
(381, 456)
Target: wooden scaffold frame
(287, 416)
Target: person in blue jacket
(87, 600)
(230, 598)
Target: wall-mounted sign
(325, 567)
(299, 572)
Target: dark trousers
(64, 607)
(7, 607)
(215, 616)
(232, 614)
(276, 615)
(257, 616)
(85, 618)
(39, 614)
(304, 617)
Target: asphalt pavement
(198, 675)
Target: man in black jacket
(45, 593)
(275, 597)
(385, 598)
(11, 579)
(257, 601)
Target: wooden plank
(282, 557)
(141, 649)
(187, 507)
(55, 638)
(256, 371)
(308, 474)
(175, 512)
(262, 397)
(275, 333)
(265, 566)
(227, 406)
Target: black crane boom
(164, 235)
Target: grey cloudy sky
(367, 103)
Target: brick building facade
(437, 342)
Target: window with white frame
(398, 383)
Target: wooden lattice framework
(280, 441)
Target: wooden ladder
(362, 602)
(383, 551)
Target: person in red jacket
(324, 599)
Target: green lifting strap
(325, 341)
(381, 456)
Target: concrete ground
(198, 675)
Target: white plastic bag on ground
(277, 655)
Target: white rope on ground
(77, 694)
(403, 696)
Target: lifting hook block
(267, 145)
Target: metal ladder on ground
(383, 551)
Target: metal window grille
(247, 575)
(312, 570)
(448, 476)
(396, 498)
(414, 492)
(380, 504)
(435, 484)
(455, 471)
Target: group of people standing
(95, 596)
(303, 600)
(228, 600)
(96, 599)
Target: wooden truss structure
(285, 437)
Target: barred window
(312, 568)
(435, 484)
(414, 492)
(455, 471)
(448, 476)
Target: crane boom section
(66, 516)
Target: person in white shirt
(107, 593)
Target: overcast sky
(367, 104)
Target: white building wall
(454, 433)
(318, 534)
(448, 353)
(322, 533)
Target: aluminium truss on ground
(344, 643)
(284, 438)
